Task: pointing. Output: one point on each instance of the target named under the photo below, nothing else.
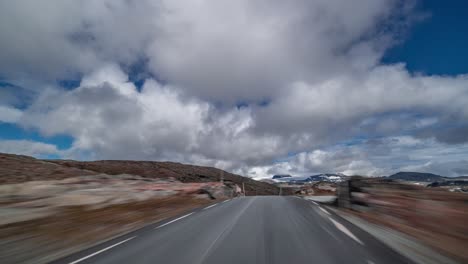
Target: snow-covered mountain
(326, 177)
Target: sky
(255, 87)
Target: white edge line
(170, 222)
(208, 207)
(226, 201)
(102, 250)
(323, 210)
(343, 229)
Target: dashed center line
(170, 222)
(343, 229)
(102, 250)
(208, 207)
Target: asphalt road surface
(269, 229)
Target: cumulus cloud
(68, 38)
(110, 118)
(249, 50)
(339, 160)
(220, 50)
(372, 157)
(27, 147)
(257, 87)
(9, 114)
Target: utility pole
(280, 191)
(243, 188)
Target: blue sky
(438, 44)
(15, 132)
(249, 87)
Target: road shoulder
(398, 241)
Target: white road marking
(314, 203)
(370, 262)
(102, 250)
(170, 222)
(343, 229)
(208, 207)
(226, 201)
(323, 210)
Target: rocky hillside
(18, 169)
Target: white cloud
(110, 118)
(250, 50)
(314, 64)
(379, 157)
(27, 147)
(9, 114)
(210, 47)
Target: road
(269, 229)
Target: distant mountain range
(339, 177)
(325, 177)
(417, 176)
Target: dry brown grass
(438, 218)
(73, 228)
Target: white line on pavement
(209, 206)
(170, 222)
(343, 229)
(102, 250)
(226, 201)
(323, 210)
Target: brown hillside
(17, 169)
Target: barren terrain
(50, 208)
